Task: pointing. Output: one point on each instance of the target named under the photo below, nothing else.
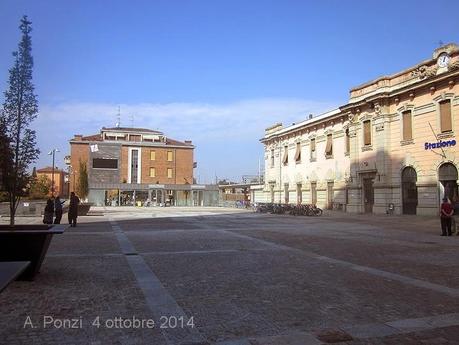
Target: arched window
(409, 175)
(447, 172)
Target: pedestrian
(456, 216)
(446, 213)
(58, 209)
(73, 209)
(49, 212)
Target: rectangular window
(298, 152)
(329, 146)
(152, 172)
(152, 155)
(134, 166)
(286, 196)
(446, 124)
(272, 158)
(285, 157)
(169, 172)
(104, 163)
(170, 156)
(313, 149)
(407, 125)
(348, 141)
(366, 132)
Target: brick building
(60, 180)
(134, 166)
(392, 147)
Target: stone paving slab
(245, 278)
(189, 240)
(386, 257)
(74, 288)
(84, 244)
(287, 292)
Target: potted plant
(17, 151)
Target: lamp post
(52, 152)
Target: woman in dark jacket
(49, 212)
(73, 209)
(58, 209)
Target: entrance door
(271, 192)
(409, 191)
(330, 195)
(447, 175)
(313, 193)
(286, 193)
(368, 195)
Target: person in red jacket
(446, 214)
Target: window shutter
(329, 147)
(407, 126)
(445, 116)
(298, 152)
(367, 132)
(348, 141)
(285, 158)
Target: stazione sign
(440, 144)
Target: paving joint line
(157, 298)
(359, 268)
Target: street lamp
(52, 152)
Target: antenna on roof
(118, 118)
(132, 120)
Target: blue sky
(216, 72)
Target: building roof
(99, 137)
(93, 137)
(131, 129)
(49, 169)
(170, 141)
(304, 123)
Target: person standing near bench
(73, 209)
(446, 213)
(58, 209)
(49, 212)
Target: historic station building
(392, 147)
(137, 166)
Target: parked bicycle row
(295, 210)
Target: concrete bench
(10, 270)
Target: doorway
(409, 190)
(313, 193)
(330, 186)
(368, 195)
(447, 175)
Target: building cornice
(132, 144)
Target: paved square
(240, 278)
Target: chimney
(310, 116)
(78, 137)
(188, 142)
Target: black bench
(10, 270)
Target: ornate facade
(392, 147)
